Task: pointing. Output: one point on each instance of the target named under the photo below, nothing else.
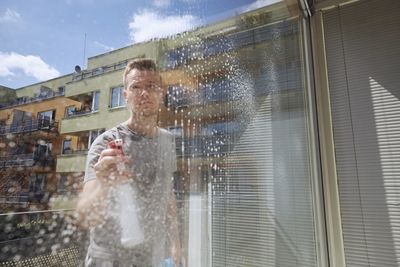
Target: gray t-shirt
(151, 163)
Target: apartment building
(30, 141)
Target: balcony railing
(30, 126)
(26, 160)
(22, 199)
(75, 151)
(234, 41)
(27, 100)
(77, 113)
(35, 236)
(98, 71)
(204, 146)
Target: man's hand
(110, 168)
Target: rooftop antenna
(84, 51)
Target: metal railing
(27, 100)
(14, 199)
(77, 113)
(29, 126)
(75, 151)
(98, 71)
(203, 146)
(26, 160)
(45, 234)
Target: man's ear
(125, 94)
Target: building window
(38, 183)
(69, 111)
(95, 101)
(117, 97)
(49, 115)
(61, 90)
(63, 183)
(176, 131)
(93, 135)
(67, 147)
(178, 97)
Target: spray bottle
(131, 231)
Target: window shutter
(363, 58)
(262, 199)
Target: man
(146, 164)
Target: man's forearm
(90, 209)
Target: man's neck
(146, 126)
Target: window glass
(117, 97)
(47, 115)
(94, 134)
(70, 111)
(67, 147)
(211, 168)
(95, 101)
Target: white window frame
(94, 101)
(93, 132)
(121, 101)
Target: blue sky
(43, 39)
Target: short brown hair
(139, 64)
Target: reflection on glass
(234, 100)
(243, 152)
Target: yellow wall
(106, 119)
(71, 163)
(57, 103)
(101, 82)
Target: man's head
(143, 92)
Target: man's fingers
(106, 162)
(110, 152)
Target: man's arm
(91, 207)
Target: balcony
(78, 112)
(28, 100)
(204, 146)
(22, 230)
(21, 199)
(78, 123)
(29, 127)
(87, 81)
(27, 160)
(72, 161)
(99, 71)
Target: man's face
(143, 93)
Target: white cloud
(259, 4)
(103, 46)
(10, 16)
(161, 3)
(148, 24)
(32, 66)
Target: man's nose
(144, 93)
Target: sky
(44, 39)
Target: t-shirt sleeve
(99, 144)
